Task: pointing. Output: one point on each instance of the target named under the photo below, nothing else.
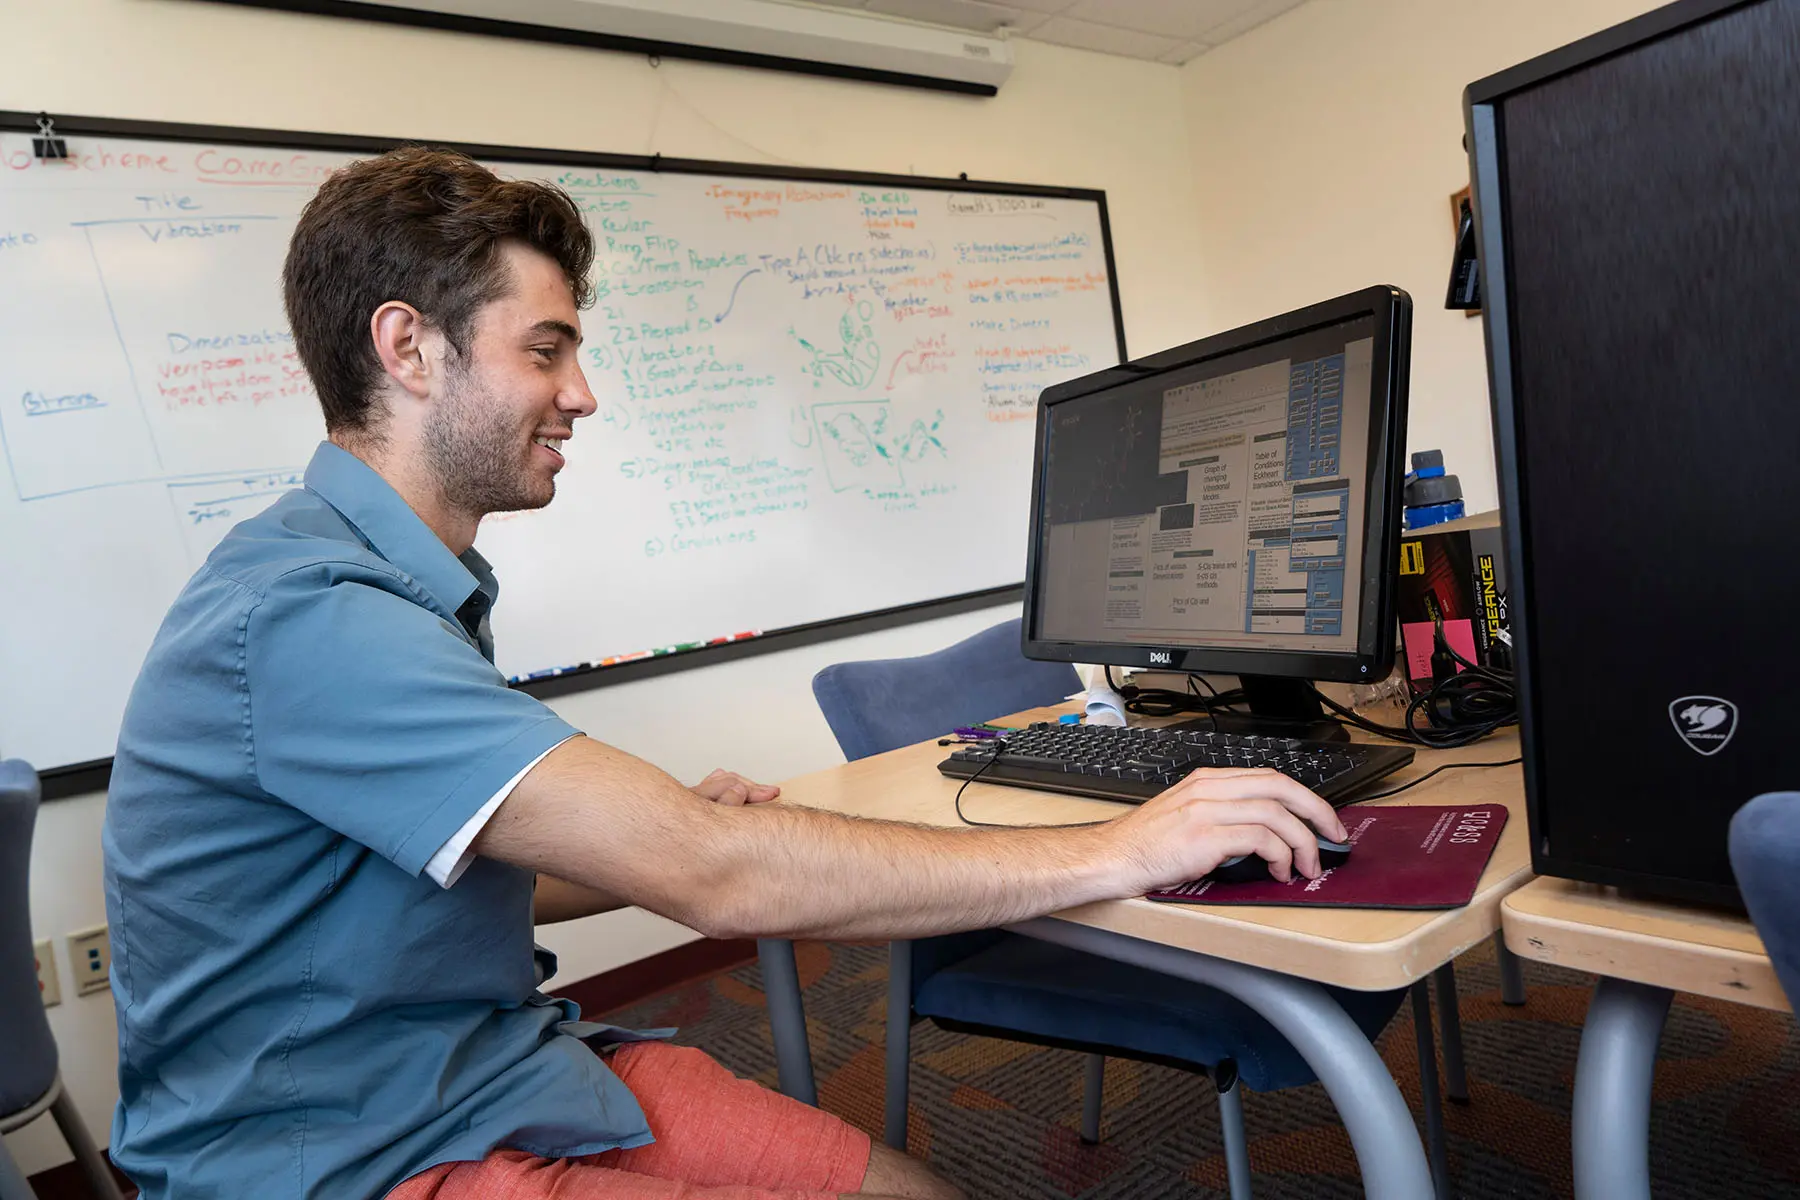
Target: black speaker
(1637, 203)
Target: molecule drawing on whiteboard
(854, 362)
(864, 446)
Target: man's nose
(577, 398)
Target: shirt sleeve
(454, 856)
(375, 716)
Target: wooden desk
(1370, 950)
(1273, 959)
(1644, 951)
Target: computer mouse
(1253, 868)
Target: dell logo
(1160, 658)
(1705, 723)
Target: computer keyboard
(1110, 762)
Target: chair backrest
(1765, 857)
(885, 703)
(28, 1060)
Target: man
(332, 826)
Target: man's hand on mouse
(1218, 812)
(728, 787)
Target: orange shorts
(718, 1137)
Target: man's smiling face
(494, 436)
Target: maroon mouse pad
(1424, 856)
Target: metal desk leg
(1374, 1113)
(787, 1019)
(1611, 1117)
(1512, 974)
(1093, 1099)
(899, 1045)
(1456, 1072)
(1436, 1152)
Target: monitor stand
(1279, 708)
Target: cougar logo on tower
(1705, 723)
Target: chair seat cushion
(1050, 991)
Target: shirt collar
(393, 530)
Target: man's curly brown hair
(420, 226)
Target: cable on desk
(1166, 702)
(998, 748)
(1505, 762)
(1458, 711)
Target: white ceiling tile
(1249, 18)
(1184, 53)
(1106, 39)
(1167, 18)
(1043, 6)
(958, 14)
(1021, 21)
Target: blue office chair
(1765, 853)
(30, 1083)
(1003, 985)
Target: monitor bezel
(1373, 658)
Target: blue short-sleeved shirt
(301, 1012)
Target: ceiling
(1166, 31)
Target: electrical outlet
(90, 958)
(48, 985)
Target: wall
(1326, 145)
(1066, 118)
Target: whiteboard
(816, 399)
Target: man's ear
(402, 340)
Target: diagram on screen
(864, 446)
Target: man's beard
(474, 450)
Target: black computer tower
(1637, 200)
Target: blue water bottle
(1431, 496)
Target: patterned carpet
(1001, 1118)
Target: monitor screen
(1219, 500)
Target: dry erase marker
(678, 647)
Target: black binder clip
(46, 144)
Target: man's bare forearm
(606, 821)
(796, 872)
(559, 900)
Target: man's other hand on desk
(1219, 812)
(728, 787)
(558, 900)
(618, 827)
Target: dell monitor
(1230, 506)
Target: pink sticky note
(1419, 636)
